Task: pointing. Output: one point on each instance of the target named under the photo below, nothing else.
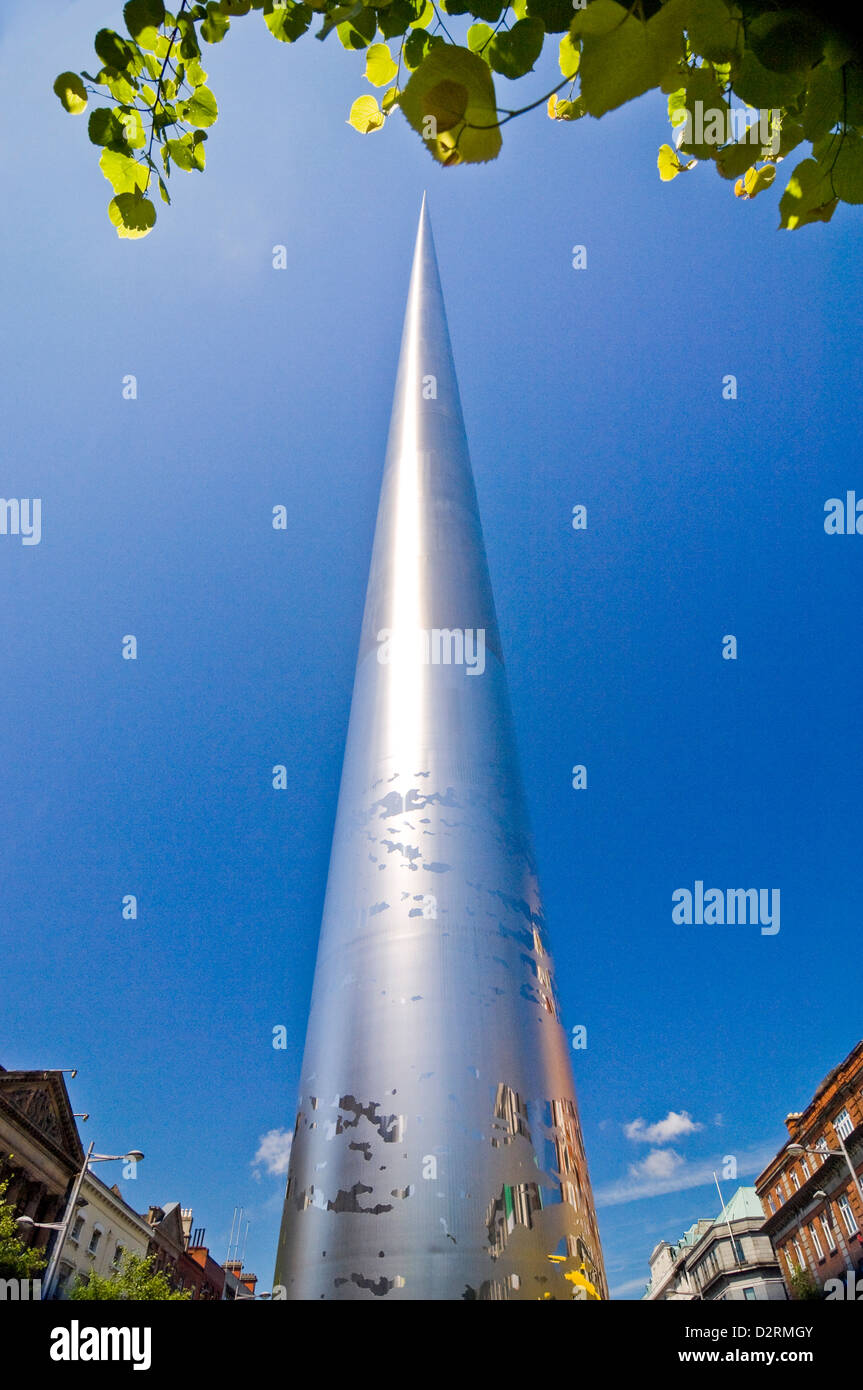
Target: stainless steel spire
(437, 1152)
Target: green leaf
(478, 35)
(235, 7)
(808, 196)
(450, 102)
(790, 136)
(216, 25)
(119, 84)
(187, 152)
(288, 22)
(715, 30)
(677, 108)
(823, 102)
(790, 41)
(559, 109)
(418, 45)
(490, 10)
(556, 15)
(163, 190)
(755, 180)
(668, 163)
(736, 158)
(189, 47)
(758, 86)
(395, 19)
(117, 52)
(380, 68)
(389, 99)
(72, 92)
(365, 115)
(143, 20)
(105, 127)
(701, 86)
(848, 169)
(133, 130)
(513, 52)
(200, 109)
(425, 16)
(132, 214)
(195, 74)
(623, 56)
(853, 94)
(569, 56)
(359, 30)
(124, 174)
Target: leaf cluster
(17, 1261)
(764, 77)
(134, 1281)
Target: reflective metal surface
(437, 1152)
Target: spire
(437, 1151)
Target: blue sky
(258, 387)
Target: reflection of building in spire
(545, 976)
(510, 1117)
(515, 1206)
(571, 1165)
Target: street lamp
(801, 1149)
(63, 1227)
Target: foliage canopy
(135, 1281)
(17, 1261)
(747, 83)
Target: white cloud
(660, 1163)
(635, 1286)
(675, 1124)
(274, 1152)
(641, 1184)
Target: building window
(821, 1146)
(749, 1294)
(779, 1198)
(94, 1240)
(795, 1180)
(847, 1215)
(77, 1229)
(828, 1232)
(813, 1236)
(738, 1250)
(801, 1263)
(843, 1124)
(771, 1204)
(804, 1164)
(118, 1255)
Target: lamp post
(63, 1229)
(802, 1149)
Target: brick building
(813, 1206)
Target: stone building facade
(40, 1151)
